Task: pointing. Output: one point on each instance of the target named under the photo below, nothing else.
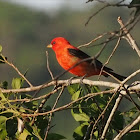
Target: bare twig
(111, 115)
(50, 117)
(127, 128)
(116, 46)
(75, 81)
(95, 39)
(16, 69)
(71, 103)
(114, 108)
(106, 4)
(88, 95)
(94, 14)
(103, 112)
(48, 67)
(48, 95)
(129, 37)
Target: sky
(55, 5)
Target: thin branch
(103, 112)
(75, 81)
(130, 76)
(118, 100)
(48, 67)
(129, 37)
(69, 104)
(116, 46)
(48, 95)
(89, 95)
(94, 14)
(50, 117)
(106, 4)
(95, 39)
(127, 128)
(16, 69)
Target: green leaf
(96, 134)
(95, 89)
(17, 83)
(80, 130)
(2, 97)
(3, 132)
(23, 135)
(4, 85)
(11, 125)
(118, 121)
(73, 88)
(75, 96)
(80, 116)
(0, 48)
(41, 124)
(54, 136)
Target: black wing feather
(80, 54)
(97, 64)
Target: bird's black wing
(93, 61)
(80, 54)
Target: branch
(129, 37)
(75, 81)
(115, 48)
(94, 14)
(117, 86)
(48, 67)
(106, 4)
(127, 128)
(16, 69)
(95, 39)
(69, 104)
(118, 100)
(103, 112)
(50, 117)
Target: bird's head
(58, 43)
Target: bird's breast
(66, 60)
(75, 65)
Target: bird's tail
(119, 77)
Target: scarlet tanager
(77, 62)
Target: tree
(27, 117)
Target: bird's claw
(69, 80)
(82, 78)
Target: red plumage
(76, 61)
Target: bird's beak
(49, 46)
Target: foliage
(10, 113)
(85, 111)
(12, 124)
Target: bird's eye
(53, 43)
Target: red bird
(76, 61)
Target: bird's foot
(69, 80)
(82, 78)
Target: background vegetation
(24, 34)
